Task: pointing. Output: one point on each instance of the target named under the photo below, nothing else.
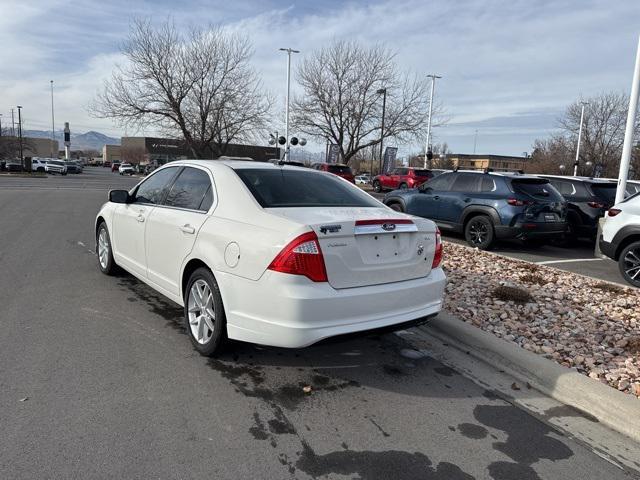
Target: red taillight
(302, 256)
(437, 256)
(518, 203)
(614, 211)
(596, 204)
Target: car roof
(580, 179)
(237, 165)
(495, 174)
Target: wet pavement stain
(528, 441)
(568, 411)
(384, 434)
(393, 371)
(370, 465)
(258, 431)
(445, 371)
(470, 430)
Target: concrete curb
(615, 409)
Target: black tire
(110, 267)
(629, 264)
(478, 232)
(219, 336)
(403, 186)
(376, 186)
(396, 206)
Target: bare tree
(133, 155)
(605, 118)
(549, 154)
(341, 100)
(199, 87)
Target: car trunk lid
(368, 246)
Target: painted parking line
(573, 260)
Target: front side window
(189, 189)
(153, 189)
(441, 183)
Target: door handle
(436, 197)
(140, 218)
(188, 229)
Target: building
(111, 153)
(499, 163)
(31, 147)
(158, 151)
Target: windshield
(537, 188)
(339, 169)
(298, 188)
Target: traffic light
(429, 155)
(282, 140)
(294, 141)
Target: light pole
(0, 124)
(383, 92)
(13, 125)
(20, 134)
(475, 142)
(427, 147)
(575, 165)
(286, 121)
(53, 124)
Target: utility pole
(625, 160)
(383, 92)
(0, 124)
(20, 134)
(427, 147)
(575, 165)
(13, 125)
(286, 122)
(53, 124)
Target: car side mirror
(427, 190)
(119, 196)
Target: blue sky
(509, 67)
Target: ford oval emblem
(388, 226)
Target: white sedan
(269, 254)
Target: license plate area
(385, 248)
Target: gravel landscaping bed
(581, 323)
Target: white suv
(38, 165)
(125, 168)
(620, 238)
(56, 166)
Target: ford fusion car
(269, 254)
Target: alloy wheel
(202, 314)
(631, 264)
(103, 248)
(478, 232)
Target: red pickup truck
(401, 178)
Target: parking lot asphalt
(577, 258)
(98, 380)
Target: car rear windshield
(538, 188)
(423, 173)
(339, 169)
(605, 191)
(298, 188)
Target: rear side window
(487, 184)
(605, 191)
(339, 169)
(298, 188)
(537, 188)
(466, 182)
(153, 189)
(189, 189)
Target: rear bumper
(607, 248)
(291, 311)
(526, 230)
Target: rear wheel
(479, 233)
(396, 206)
(376, 186)
(403, 186)
(629, 263)
(204, 313)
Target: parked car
(13, 166)
(401, 178)
(115, 166)
(126, 168)
(487, 206)
(316, 256)
(337, 169)
(72, 167)
(362, 179)
(38, 165)
(56, 167)
(620, 239)
(588, 200)
(106, 164)
(80, 166)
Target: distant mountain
(79, 141)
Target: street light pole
(286, 124)
(20, 134)
(575, 165)
(53, 124)
(13, 125)
(383, 92)
(427, 147)
(475, 142)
